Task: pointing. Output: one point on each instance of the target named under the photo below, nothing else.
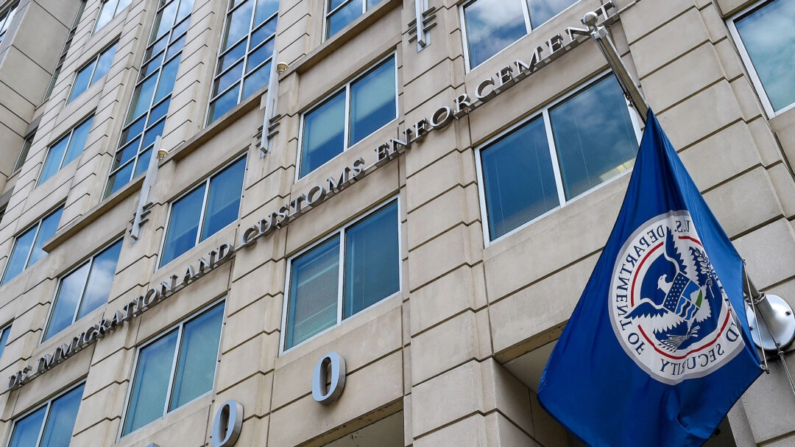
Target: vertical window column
(146, 118)
(244, 59)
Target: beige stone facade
(454, 358)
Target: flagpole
(775, 315)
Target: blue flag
(658, 348)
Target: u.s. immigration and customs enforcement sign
(667, 306)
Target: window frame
(48, 404)
(64, 52)
(90, 261)
(180, 327)
(346, 130)
(171, 39)
(3, 329)
(527, 22)
(543, 113)
(327, 14)
(93, 61)
(748, 64)
(340, 232)
(206, 183)
(244, 59)
(36, 224)
(68, 136)
(116, 12)
(4, 21)
(24, 151)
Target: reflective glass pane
(372, 260)
(343, 17)
(265, 9)
(232, 56)
(143, 163)
(99, 281)
(175, 47)
(154, 132)
(256, 80)
(150, 386)
(66, 301)
(152, 65)
(182, 26)
(4, 339)
(159, 111)
(19, 256)
(23, 154)
(127, 153)
(543, 10)
(324, 134)
(78, 141)
(198, 355)
(48, 228)
(373, 101)
(238, 24)
(143, 98)
(769, 37)
(167, 78)
(259, 55)
(261, 34)
(491, 26)
(103, 66)
(133, 130)
(166, 20)
(108, 8)
(61, 419)
(371, 3)
(54, 157)
(81, 81)
(518, 178)
(185, 8)
(159, 45)
(223, 200)
(225, 103)
(230, 77)
(586, 161)
(27, 429)
(183, 225)
(313, 292)
(118, 179)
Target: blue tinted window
(492, 25)
(314, 291)
(370, 105)
(586, 161)
(223, 201)
(4, 339)
(93, 72)
(150, 385)
(163, 382)
(372, 260)
(243, 66)
(60, 415)
(183, 225)
(543, 10)
(772, 58)
(324, 134)
(519, 181)
(27, 247)
(341, 17)
(61, 419)
(196, 365)
(371, 272)
(66, 150)
(373, 101)
(209, 210)
(66, 301)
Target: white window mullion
(173, 375)
(346, 130)
(43, 423)
(526, 10)
(32, 245)
(83, 290)
(341, 280)
(553, 153)
(203, 211)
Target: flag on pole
(658, 348)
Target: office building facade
(353, 222)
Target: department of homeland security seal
(667, 306)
